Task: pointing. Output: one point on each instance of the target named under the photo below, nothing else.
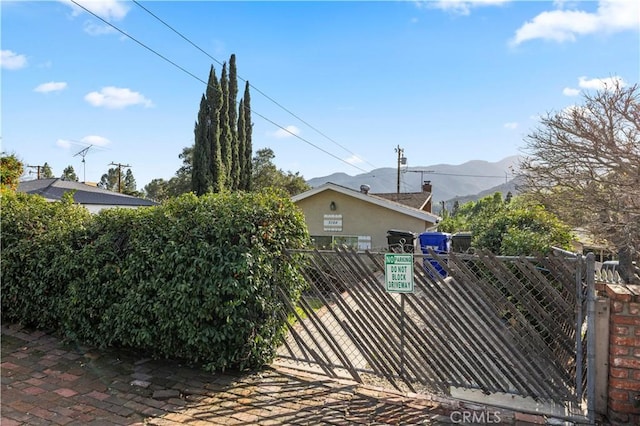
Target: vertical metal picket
(591, 338)
(578, 325)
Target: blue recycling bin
(440, 242)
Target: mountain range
(464, 182)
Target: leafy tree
(69, 174)
(115, 181)
(455, 208)
(294, 183)
(512, 227)
(111, 180)
(181, 182)
(46, 172)
(129, 184)
(267, 175)
(10, 171)
(157, 189)
(161, 189)
(583, 164)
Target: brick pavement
(48, 382)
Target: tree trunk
(625, 265)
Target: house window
(328, 242)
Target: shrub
(36, 241)
(198, 278)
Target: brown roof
(417, 200)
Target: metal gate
(495, 325)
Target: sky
(337, 86)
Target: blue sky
(448, 81)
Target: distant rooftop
(54, 189)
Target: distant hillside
(505, 188)
(449, 181)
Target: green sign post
(398, 272)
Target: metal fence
(514, 325)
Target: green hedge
(196, 278)
(35, 242)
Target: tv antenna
(83, 153)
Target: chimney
(365, 189)
(426, 186)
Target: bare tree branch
(583, 163)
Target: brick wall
(624, 354)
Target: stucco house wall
(340, 213)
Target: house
(339, 215)
(91, 197)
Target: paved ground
(47, 382)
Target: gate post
(602, 356)
(624, 354)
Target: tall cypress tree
(215, 103)
(233, 119)
(243, 182)
(248, 144)
(200, 174)
(225, 128)
(222, 136)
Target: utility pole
(38, 169)
(401, 161)
(120, 166)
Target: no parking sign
(398, 272)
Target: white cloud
(109, 10)
(460, 7)
(568, 91)
(601, 83)
(511, 125)
(106, 9)
(85, 141)
(63, 143)
(12, 61)
(52, 86)
(354, 159)
(95, 140)
(287, 132)
(116, 98)
(562, 25)
(96, 29)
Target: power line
(433, 172)
(463, 175)
(251, 85)
(206, 84)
